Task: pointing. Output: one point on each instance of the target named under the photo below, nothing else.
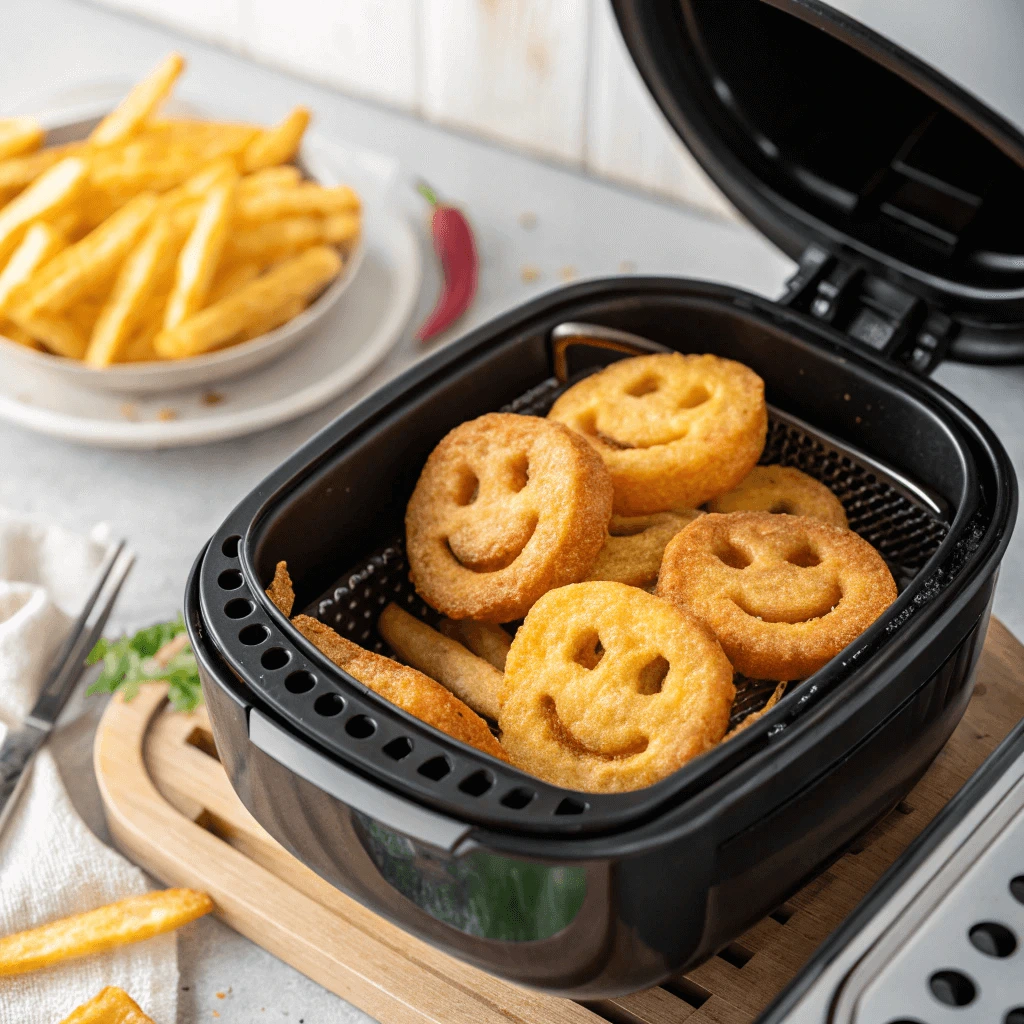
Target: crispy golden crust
(673, 430)
(280, 590)
(783, 594)
(469, 677)
(782, 489)
(485, 639)
(406, 688)
(635, 545)
(608, 689)
(506, 508)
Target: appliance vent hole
(782, 914)
(689, 991)
(328, 705)
(229, 579)
(398, 748)
(275, 658)
(993, 939)
(477, 784)
(1015, 1016)
(300, 682)
(230, 546)
(254, 635)
(570, 805)
(735, 954)
(238, 608)
(952, 988)
(436, 768)
(1017, 888)
(360, 727)
(518, 798)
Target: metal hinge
(873, 312)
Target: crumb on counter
(212, 398)
(528, 220)
(166, 414)
(567, 273)
(529, 273)
(627, 267)
(129, 410)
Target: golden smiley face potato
(784, 594)
(607, 689)
(506, 508)
(782, 490)
(674, 430)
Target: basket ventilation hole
(229, 579)
(238, 608)
(436, 768)
(782, 914)
(952, 988)
(518, 798)
(328, 705)
(570, 805)
(254, 635)
(230, 546)
(993, 939)
(398, 748)
(735, 954)
(477, 784)
(275, 658)
(1015, 1016)
(300, 682)
(689, 991)
(360, 727)
(1017, 888)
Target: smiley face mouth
(565, 737)
(492, 557)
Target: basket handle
(575, 332)
(374, 801)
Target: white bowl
(196, 371)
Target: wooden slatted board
(171, 809)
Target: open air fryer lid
(880, 144)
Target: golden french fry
(199, 184)
(40, 242)
(50, 193)
(474, 681)
(84, 265)
(20, 171)
(270, 177)
(139, 104)
(278, 239)
(19, 135)
(277, 145)
(271, 319)
(229, 278)
(139, 347)
(111, 1006)
(200, 254)
(57, 333)
(485, 639)
(135, 283)
(342, 228)
(298, 200)
(301, 277)
(13, 332)
(118, 924)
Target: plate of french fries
(144, 253)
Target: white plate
(349, 340)
(77, 122)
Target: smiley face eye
(732, 556)
(804, 557)
(697, 395)
(589, 651)
(519, 473)
(644, 386)
(652, 676)
(467, 486)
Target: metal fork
(20, 745)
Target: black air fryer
(898, 194)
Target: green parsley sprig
(128, 663)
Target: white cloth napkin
(51, 865)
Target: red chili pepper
(456, 249)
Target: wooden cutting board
(171, 809)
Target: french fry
(76, 269)
(485, 639)
(474, 681)
(118, 924)
(277, 239)
(50, 193)
(19, 135)
(134, 285)
(200, 254)
(341, 229)
(277, 145)
(139, 104)
(230, 278)
(301, 277)
(197, 186)
(270, 177)
(139, 347)
(271, 319)
(111, 1006)
(58, 333)
(40, 242)
(21, 171)
(13, 332)
(299, 200)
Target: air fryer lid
(833, 139)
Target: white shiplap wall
(551, 77)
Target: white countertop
(167, 503)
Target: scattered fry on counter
(111, 1006)
(111, 245)
(118, 924)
